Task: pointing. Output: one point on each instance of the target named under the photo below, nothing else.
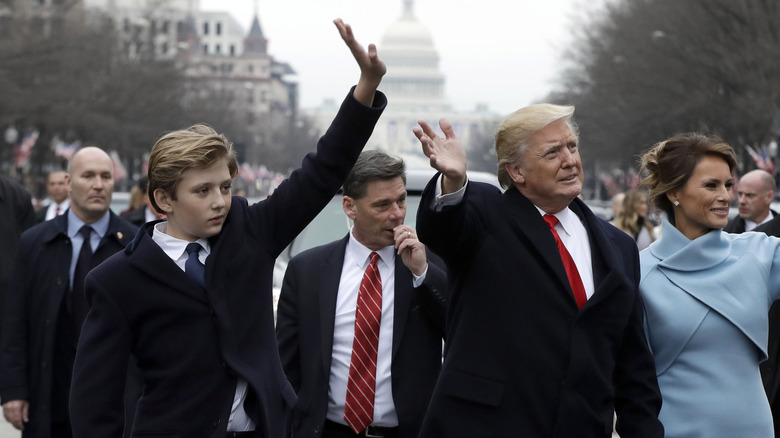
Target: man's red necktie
(568, 263)
(359, 406)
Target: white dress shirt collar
(175, 248)
(100, 226)
(567, 220)
(360, 252)
(575, 238)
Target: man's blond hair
(512, 136)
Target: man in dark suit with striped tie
(360, 322)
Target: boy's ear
(163, 200)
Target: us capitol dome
(413, 80)
(415, 89)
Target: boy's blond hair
(197, 147)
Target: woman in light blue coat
(707, 295)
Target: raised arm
(277, 220)
(371, 67)
(445, 154)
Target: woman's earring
(676, 203)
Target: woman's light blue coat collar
(677, 252)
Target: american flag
(247, 173)
(23, 150)
(119, 169)
(762, 159)
(65, 150)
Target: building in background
(49, 17)
(222, 62)
(415, 89)
(215, 71)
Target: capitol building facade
(415, 89)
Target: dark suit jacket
(192, 344)
(16, 215)
(136, 217)
(40, 282)
(770, 371)
(304, 329)
(521, 359)
(40, 215)
(737, 224)
(771, 228)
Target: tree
(646, 69)
(77, 82)
(75, 75)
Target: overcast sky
(504, 53)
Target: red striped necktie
(568, 263)
(359, 406)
